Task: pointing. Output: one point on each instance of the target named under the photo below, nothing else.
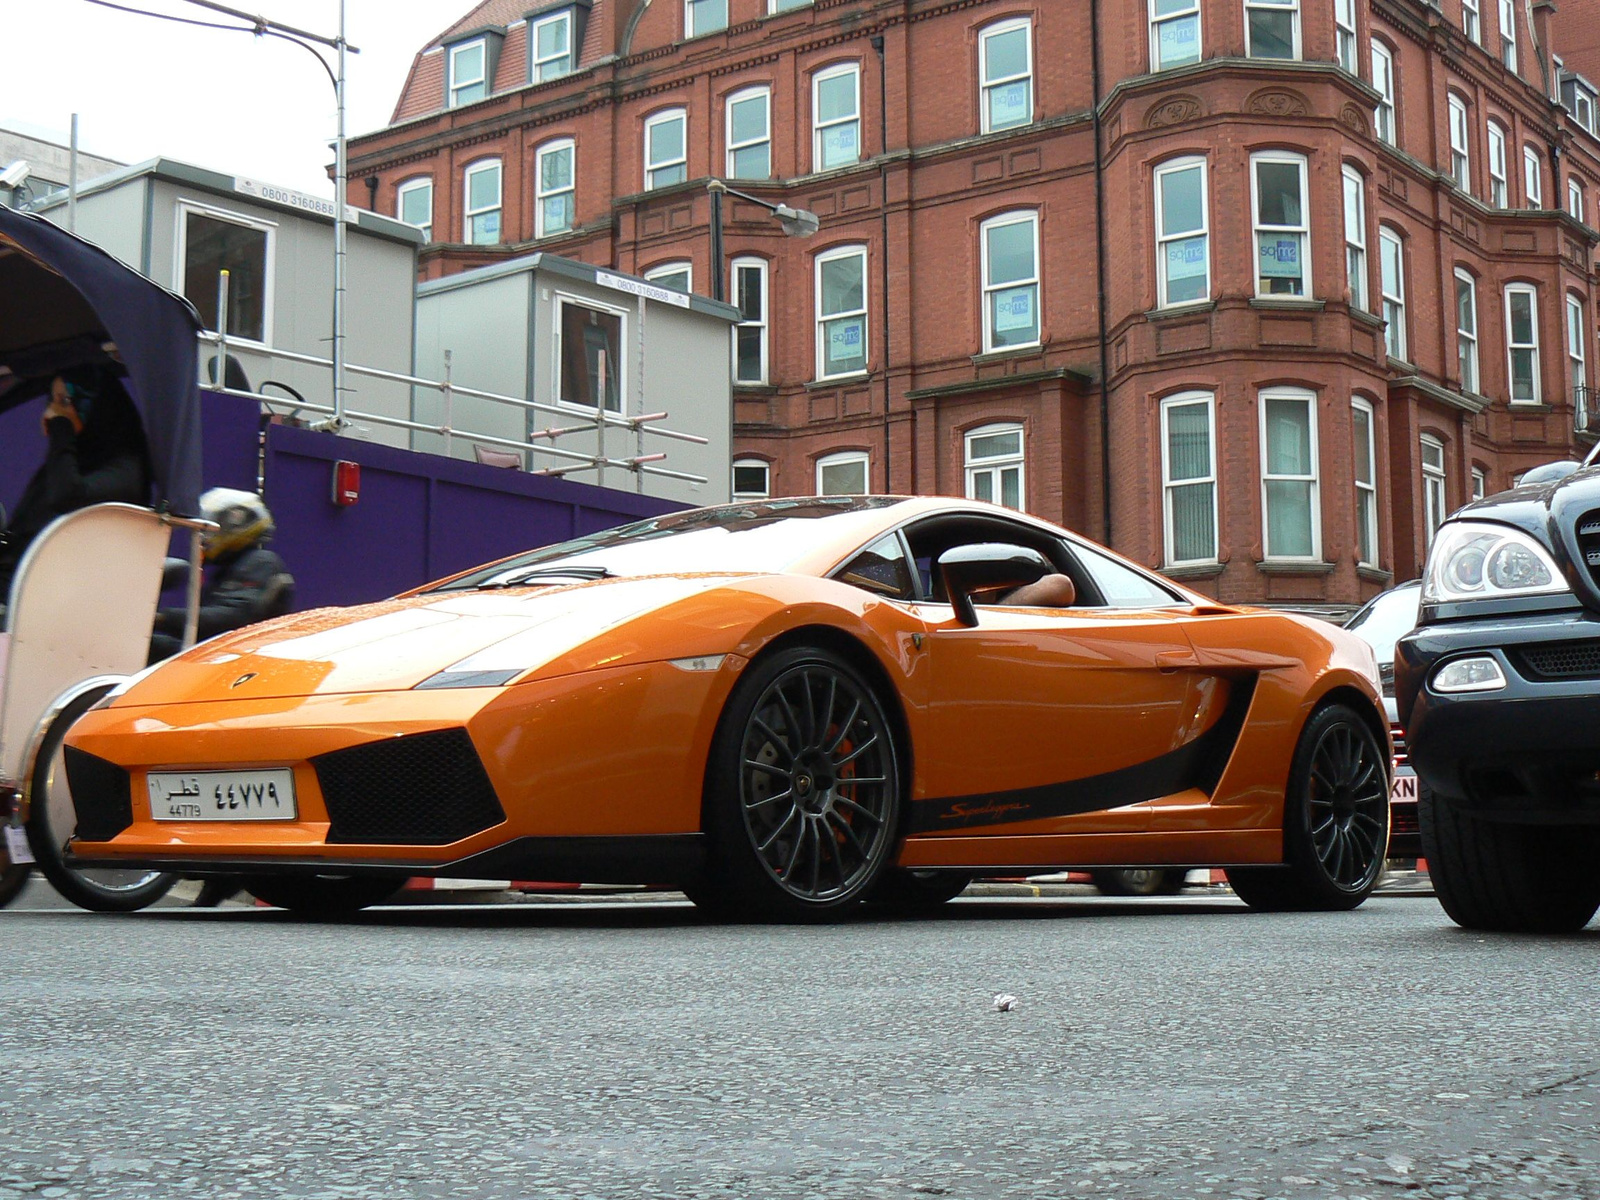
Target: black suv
(1499, 690)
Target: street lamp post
(795, 222)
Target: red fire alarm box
(346, 483)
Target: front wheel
(322, 897)
(1335, 821)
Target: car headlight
(1475, 560)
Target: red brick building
(1255, 290)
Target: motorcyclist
(246, 582)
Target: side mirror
(986, 567)
(1551, 472)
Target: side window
(882, 568)
(1122, 586)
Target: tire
(322, 897)
(905, 891)
(13, 877)
(1509, 878)
(52, 820)
(1138, 881)
(1335, 821)
(803, 794)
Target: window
(1383, 81)
(1508, 33)
(1460, 162)
(1365, 448)
(481, 214)
(994, 465)
(1433, 481)
(1005, 60)
(1471, 25)
(778, 6)
(1011, 281)
(414, 205)
(1272, 28)
(1522, 342)
(1189, 478)
(666, 153)
(842, 312)
(210, 242)
(1480, 483)
(469, 72)
(1344, 21)
(843, 474)
(750, 335)
(836, 117)
(1282, 233)
(1293, 526)
(1120, 585)
(704, 16)
(588, 355)
(1577, 372)
(1467, 330)
(1532, 178)
(1499, 193)
(750, 134)
(1392, 267)
(1583, 108)
(1575, 197)
(1355, 237)
(1174, 33)
(554, 188)
(752, 479)
(1183, 273)
(550, 40)
(679, 276)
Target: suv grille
(428, 789)
(1562, 660)
(1589, 543)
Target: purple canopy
(65, 302)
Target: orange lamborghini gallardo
(784, 707)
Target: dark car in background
(1381, 622)
(1498, 688)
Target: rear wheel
(322, 897)
(1335, 821)
(803, 791)
(1509, 878)
(1138, 881)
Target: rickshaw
(79, 612)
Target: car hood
(398, 644)
(1542, 509)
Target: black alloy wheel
(1335, 820)
(322, 897)
(803, 792)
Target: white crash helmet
(242, 520)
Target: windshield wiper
(544, 574)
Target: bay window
(1189, 478)
(1292, 524)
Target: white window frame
(1575, 198)
(1577, 358)
(1532, 177)
(1480, 483)
(1190, 13)
(1293, 6)
(454, 85)
(537, 67)
(833, 255)
(1357, 278)
(764, 324)
(562, 299)
(818, 127)
(996, 465)
(1390, 243)
(1435, 481)
(1314, 478)
(1169, 485)
(691, 30)
(1460, 140)
(1528, 290)
(841, 459)
(1303, 229)
(468, 212)
(749, 464)
(1163, 236)
(1385, 118)
(778, 6)
(1508, 35)
(539, 193)
(269, 270)
(1467, 363)
(416, 184)
(667, 270)
(744, 96)
(651, 166)
(1344, 36)
(1583, 109)
(1472, 21)
(1499, 178)
(1366, 513)
(1031, 218)
(987, 85)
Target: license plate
(1404, 788)
(222, 795)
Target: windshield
(763, 537)
(1387, 618)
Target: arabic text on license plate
(222, 795)
(1403, 788)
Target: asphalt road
(1180, 1048)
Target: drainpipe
(883, 258)
(1100, 277)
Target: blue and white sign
(1280, 257)
(1015, 308)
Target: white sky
(231, 102)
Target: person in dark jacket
(245, 582)
(96, 453)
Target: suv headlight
(1475, 560)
